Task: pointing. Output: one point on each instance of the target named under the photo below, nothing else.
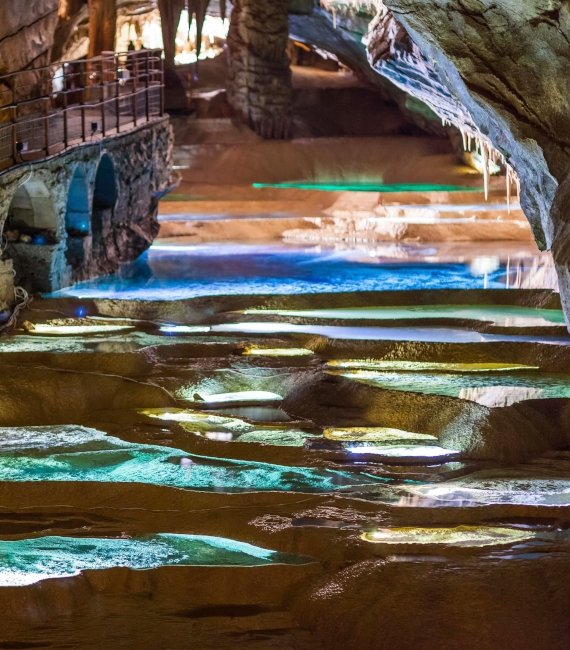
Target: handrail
(77, 101)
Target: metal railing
(47, 110)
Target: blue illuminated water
(170, 272)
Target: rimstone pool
(236, 410)
(247, 428)
(284, 325)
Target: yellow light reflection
(47, 329)
(459, 536)
(376, 434)
(197, 420)
(253, 350)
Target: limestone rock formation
(102, 26)
(26, 33)
(507, 66)
(343, 38)
(259, 80)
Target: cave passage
(284, 351)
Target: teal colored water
(72, 453)
(505, 315)
(490, 389)
(368, 187)
(27, 561)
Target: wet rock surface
(481, 58)
(369, 532)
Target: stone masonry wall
(141, 160)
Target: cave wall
(142, 163)
(343, 37)
(26, 33)
(507, 63)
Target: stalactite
(170, 12)
(197, 10)
(485, 157)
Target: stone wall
(82, 224)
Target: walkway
(47, 110)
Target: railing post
(103, 125)
(46, 125)
(65, 125)
(83, 130)
(147, 85)
(161, 85)
(117, 94)
(134, 88)
(14, 135)
(106, 70)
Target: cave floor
(263, 445)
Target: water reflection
(503, 315)
(459, 536)
(174, 271)
(477, 491)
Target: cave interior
(284, 324)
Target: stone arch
(105, 194)
(77, 218)
(32, 210)
(31, 232)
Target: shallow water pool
(27, 561)
(489, 389)
(80, 454)
(172, 271)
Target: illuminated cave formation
(284, 348)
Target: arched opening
(77, 212)
(31, 212)
(104, 198)
(77, 218)
(31, 234)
